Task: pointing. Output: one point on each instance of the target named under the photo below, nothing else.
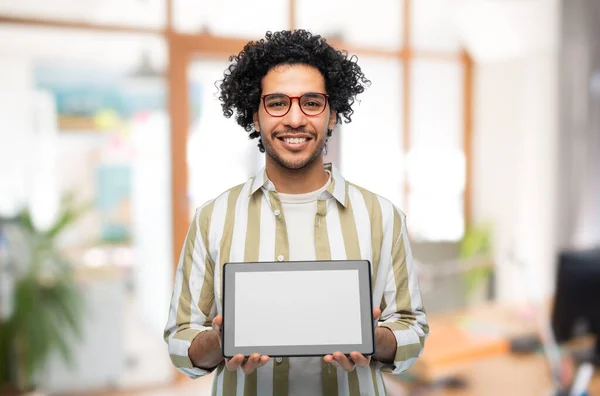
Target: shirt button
(278, 360)
(280, 257)
(276, 212)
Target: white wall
(152, 242)
(151, 220)
(15, 100)
(515, 159)
(515, 146)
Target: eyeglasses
(312, 103)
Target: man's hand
(338, 359)
(253, 362)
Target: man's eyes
(312, 104)
(277, 104)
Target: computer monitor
(577, 299)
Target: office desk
(495, 372)
(506, 375)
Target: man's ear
(332, 119)
(255, 120)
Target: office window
(230, 18)
(435, 218)
(433, 26)
(114, 51)
(219, 153)
(374, 25)
(147, 13)
(436, 104)
(436, 161)
(371, 145)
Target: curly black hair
(240, 88)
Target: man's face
(294, 140)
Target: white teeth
(294, 140)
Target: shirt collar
(338, 187)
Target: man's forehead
(286, 66)
(298, 77)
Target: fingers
(376, 313)
(216, 325)
(264, 359)
(360, 359)
(235, 362)
(341, 360)
(253, 362)
(338, 359)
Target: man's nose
(295, 117)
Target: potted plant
(46, 309)
(476, 249)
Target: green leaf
(6, 358)
(68, 306)
(24, 218)
(68, 215)
(48, 307)
(476, 241)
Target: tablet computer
(301, 308)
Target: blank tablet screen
(295, 307)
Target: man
(290, 90)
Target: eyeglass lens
(279, 104)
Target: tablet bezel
(367, 347)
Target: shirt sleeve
(402, 307)
(192, 305)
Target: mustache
(294, 131)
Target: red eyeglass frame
(292, 100)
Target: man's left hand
(349, 363)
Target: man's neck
(297, 181)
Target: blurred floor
(202, 386)
(147, 362)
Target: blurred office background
(482, 123)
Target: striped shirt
(247, 224)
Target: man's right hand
(253, 362)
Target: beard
(295, 163)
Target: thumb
(376, 313)
(217, 322)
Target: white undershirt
(300, 211)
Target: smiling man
(289, 90)
(294, 137)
